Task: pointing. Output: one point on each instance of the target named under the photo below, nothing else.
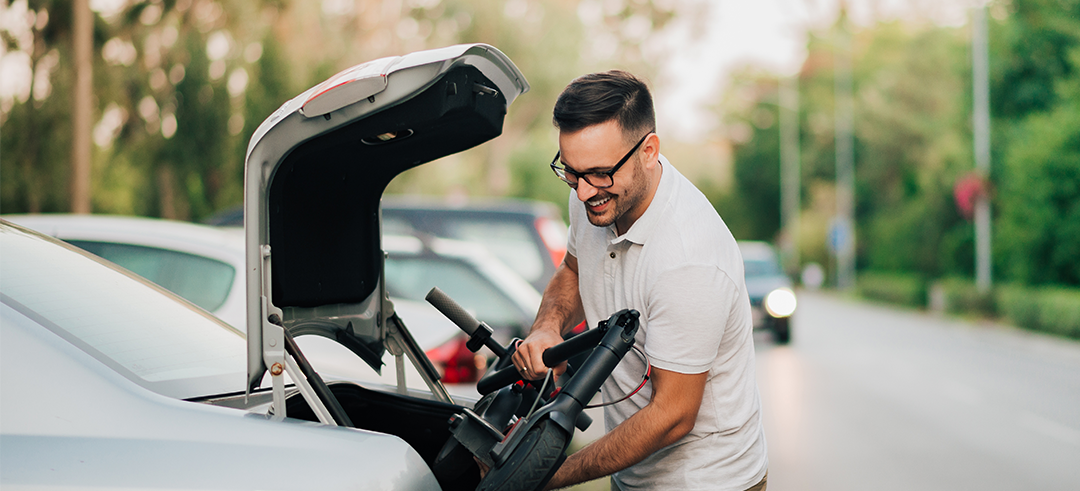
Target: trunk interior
(420, 422)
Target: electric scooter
(521, 429)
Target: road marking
(1050, 428)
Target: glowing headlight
(780, 302)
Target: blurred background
(872, 105)
(918, 153)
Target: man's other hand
(528, 358)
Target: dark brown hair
(601, 97)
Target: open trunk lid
(314, 177)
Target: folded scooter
(520, 429)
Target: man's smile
(596, 203)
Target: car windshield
(412, 277)
(759, 267)
(152, 338)
(203, 281)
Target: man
(643, 237)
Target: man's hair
(601, 97)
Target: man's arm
(559, 311)
(669, 416)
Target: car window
(202, 281)
(396, 226)
(412, 278)
(758, 267)
(511, 242)
(126, 323)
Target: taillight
(553, 234)
(457, 364)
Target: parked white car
(109, 381)
(205, 265)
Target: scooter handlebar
(552, 357)
(564, 350)
(456, 313)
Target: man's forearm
(561, 306)
(669, 416)
(629, 443)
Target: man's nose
(585, 191)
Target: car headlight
(780, 302)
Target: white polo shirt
(680, 267)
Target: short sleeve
(688, 310)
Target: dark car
(771, 297)
(529, 236)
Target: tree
(1039, 223)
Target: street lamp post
(981, 123)
(844, 224)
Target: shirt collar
(644, 225)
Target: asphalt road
(869, 397)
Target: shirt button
(612, 255)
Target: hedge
(898, 288)
(963, 297)
(1055, 310)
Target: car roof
(221, 243)
(512, 284)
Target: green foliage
(1030, 53)
(961, 296)
(912, 87)
(170, 75)
(1048, 309)
(1039, 200)
(897, 288)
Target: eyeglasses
(595, 179)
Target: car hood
(314, 176)
(759, 286)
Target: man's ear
(651, 147)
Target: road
(873, 397)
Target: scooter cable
(644, 379)
(543, 386)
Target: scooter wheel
(452, 462)
(532, 463)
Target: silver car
(109, 381)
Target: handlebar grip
(456, 313)
(497, 380)
(564, 350)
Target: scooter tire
(531, 465)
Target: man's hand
(528, 358)
(560, 307)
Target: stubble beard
(625, 202)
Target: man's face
(599, 148)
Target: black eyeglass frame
(561, 171)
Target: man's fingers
(484, 469)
